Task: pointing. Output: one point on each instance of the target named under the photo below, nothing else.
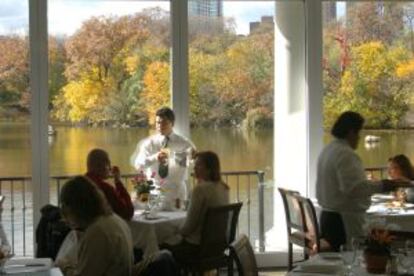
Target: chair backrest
(301, 217)
(219, 229)
(243, 254)
(310, 221)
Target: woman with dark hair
(210, 191)
(105, 247)
(400, 168)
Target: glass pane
(109, 70)
(231, 95)
(15, 146)
(368, 67)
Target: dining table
(20, 266)
(392, 211)
(330, 263)
(150, 230)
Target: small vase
(376, 263)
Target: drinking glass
(404, 262)
(356, 243)
(348, 258)
(409, 254)
(152, 204)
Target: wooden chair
(302, 224)
(243, 254)
(218, 232)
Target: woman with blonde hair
(210, 191)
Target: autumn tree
(371, 86)
(374, 21)
(14, 72)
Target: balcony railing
(246, 187)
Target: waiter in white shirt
(342, 188)
(166, 155)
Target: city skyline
(65, 17)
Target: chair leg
(290, 256)
(230, 268)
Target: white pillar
(179, 80)
(39, 106)
(297, 103)
(290, 116)
(314, 46)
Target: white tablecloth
(147, 234)
(403, 218)
(317, 265)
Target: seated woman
(400, 168)
(105, 248)
(210, 191)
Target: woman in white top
(210, 191)
(105, 248)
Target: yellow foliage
(156, 88)
(82, 97)
(405, 69)
(131, 64)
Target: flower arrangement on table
(379, 241)
(143, 185)
(378, 247)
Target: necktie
(163, 167)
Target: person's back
(106, 247)
(206, 194)
(339, 171)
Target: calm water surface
(238, 149)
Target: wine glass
(409, 254)
(348, 258)
(153, 201)
(356, 243)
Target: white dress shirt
(145, 158)
(342, 186)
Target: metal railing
(246, 186)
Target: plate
(330, 256)
(319, 268)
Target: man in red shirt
(99, 169)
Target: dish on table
(330, 256)
(319, 268)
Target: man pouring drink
(167, 154)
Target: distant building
(265, 20)
(205, 16)
(205, 8)
(328, 12)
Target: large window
(15, 142)
(368, 67)
(231, 93)
(109, 70)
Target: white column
(290, 137)
(297, 103)
(313, 9)
(39, 106)
(179, 80)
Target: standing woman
(210, 191)
(105, 248)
